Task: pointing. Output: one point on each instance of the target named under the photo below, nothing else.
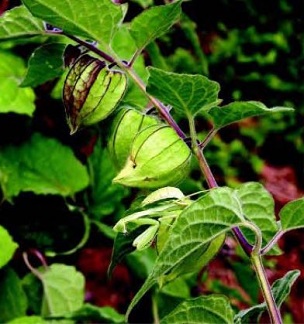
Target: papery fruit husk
(91, 92)
(126, 124)
(159, 157)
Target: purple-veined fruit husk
(91, 91)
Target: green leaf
(34, 292)
(13, 302)
(195, 261)
(91, 313)
(18, 22)
(292, 215)
(154, 22)
(105, 196)
(33, 319)
(123, 246)
(258, 207)
(94, 19)
(47, 59)
(178, 288)
(205, 219)
(280, 289)
(41, 165)
(13, 98)
(63, 289)
(204, 309)
(141, 262)
(105, 229)
(7, 247)
(187, 94)
(247, 278)
(239, 110)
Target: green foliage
(46, 58)
(291, 215)
(9, 247)
(258, 207)
(104, 196)
(28, 320)
(13, 98)
(27, 24)
(98, 314)
(153, 23)
(63, 290)
(213, 309)
(236, 111)
(13, 302)
(281, 289)
(188, 94)
(194, 222)
(142, 92)
(73, 19)
(29, 167)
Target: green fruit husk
(159, 157)
(126, 124)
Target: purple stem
(91, 47)
(165, 114)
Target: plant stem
(273, 310)
(155, 310)
(213, 184)
(255, 254)
(272, 242)
(204, 166)
(28, 264)
(208, 138)
(163, 111)
(91, 47)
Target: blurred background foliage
(255, 50)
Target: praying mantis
(166, 204)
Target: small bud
(158, 158)
(91, 91)
(126, 124)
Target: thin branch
(134, 57)
(91, 47)
(28, 264)
(272, 242)
(208, 138)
